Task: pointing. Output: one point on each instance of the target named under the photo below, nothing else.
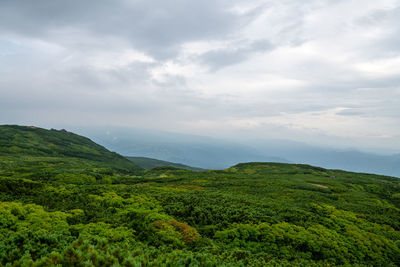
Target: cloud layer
(325, 72)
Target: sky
(325, 72)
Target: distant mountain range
(212, 153)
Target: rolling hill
(40, 153)
(67, 201)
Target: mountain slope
(149, 163)
(46, 153)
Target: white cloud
(380, 68)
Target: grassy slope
(254, 214)
(38, 152)
(149, 163)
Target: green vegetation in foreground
(62, 206)
(150, 163)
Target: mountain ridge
(69, 148)
(213, 153)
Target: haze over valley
(214, 153)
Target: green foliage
(31, 151)
(69, 202)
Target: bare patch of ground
(319, 185)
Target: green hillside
(149, 163)
(66, 201)
(37, 153)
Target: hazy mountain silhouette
(213, 153)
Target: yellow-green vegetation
(63, 203)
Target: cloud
(263, 67)
(158, 27)
(233, 54)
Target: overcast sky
(320, 71)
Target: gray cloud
(220, 58)
(263, 68)
(158, 27)
(389, 44)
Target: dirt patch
(319, 185)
